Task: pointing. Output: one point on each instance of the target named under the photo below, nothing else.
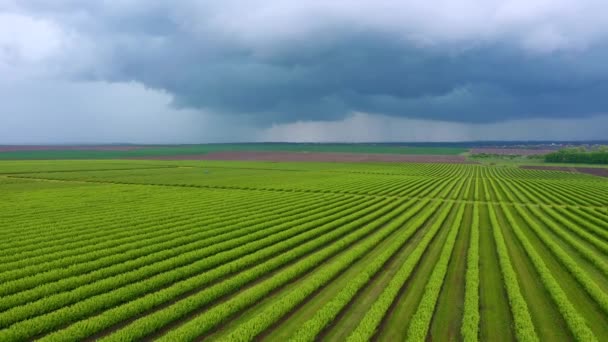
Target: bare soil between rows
(595, 171)
(319, 157)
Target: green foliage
(524, 329)
(581, 248)
(575, 321)
(310, 329)
(139, 250)
(250, 329)
(370, 322)
(470, 320)
(579, 155)
(177, 150)
(111, 298)
(418, 329)
(590, 286)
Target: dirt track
(602, 172)
(320, 157)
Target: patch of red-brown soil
(318, 157)
(596, 171)
(511, 151)
(17, 148)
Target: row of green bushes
(599, 156)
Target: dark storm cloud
(226, 60)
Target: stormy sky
(76, 71)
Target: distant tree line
(579, 155)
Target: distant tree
(576, 155)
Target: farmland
(153, 151)
(124, 250)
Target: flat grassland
(143, 151)
(334, 157)
(125, 250)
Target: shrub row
(583, 250)
(524, 329)
(470, 320)
(311, 328)
(204, 322)
(420, 322)
(158, 258)
(372, 319)
(83, 308)
(151, 322)
(565, 259)
(575, 321)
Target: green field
(176, 150)
(237, 251)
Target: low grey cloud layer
(259, 63)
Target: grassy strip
(575, 321)
(370, 322)
(470, 320)
(524, 329)
(419, 326)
